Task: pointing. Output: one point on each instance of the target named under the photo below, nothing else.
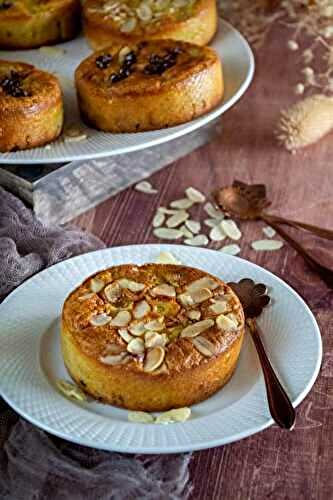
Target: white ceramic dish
(31, 362)
(238, 63)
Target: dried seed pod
(305, 122)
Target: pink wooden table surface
(273, 464)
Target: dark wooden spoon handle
(279, 403)
(324, 272)
(319, 231)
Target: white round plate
(238, 64)
(31, 362)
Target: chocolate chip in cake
(5, 5)
(12, 85)
(130, 59)
(103, 61)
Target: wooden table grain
(274, 464)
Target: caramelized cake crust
(152, 337)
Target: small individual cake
(152, 337)
(108, 22)
(27, 24)
(31, 107)
(147, 86)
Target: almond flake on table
(231, 229)
(182, 204)
(177, 219)
(212, 222)
(269, 231)
(167, 211)
(158, 219)
(195, 195)
(145, 187)
(166, 233)
(231, 249)
(200, 240)
(217, 233)
(167, 258)
(266, 245)
(212, 211)
(186, 232)
(193, 225)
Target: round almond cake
(31, 106)
(108, 22)
(149, 85)
(152, 337)
(27, 24)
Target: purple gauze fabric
(33, 464)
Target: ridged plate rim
(40, 403)
(100, 144)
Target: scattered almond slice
(219, 307)
(127, 337)
(204, 346)
(141, 309)
(114, 348)
(86, 296)
(177, 219)
(200, 240)
(112, 292)
(121, 319)
(166, 233)
(217, 234)
(137, 329)
(194, 314)
(201, 295)
(231, 229)
(205, 282)
(167, 211)
(129, 25)
(154, 339)
(193, 226)
(269, 231)
(154, 358)
(71, 390)
(167, 258)
(136, 346)
(144, 12)
(114, 359)
(140, 417)
(186, 232)
(145, 187)
(266, 245)
(164, 290)
(159, 219)
(195, 195)
(74, 133)
(186, 299)
(225, 323)
(182, 204)
(212, 222)
(197, 328)
(123, 53)
(96, 285)
(131, 285)
(173, 416)
(100, 319)
(231, 249)
(212, 211)
(155, 325)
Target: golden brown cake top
(23, 85)
(22, 9)
(154, 318)
(140, 17)
(143, 68)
